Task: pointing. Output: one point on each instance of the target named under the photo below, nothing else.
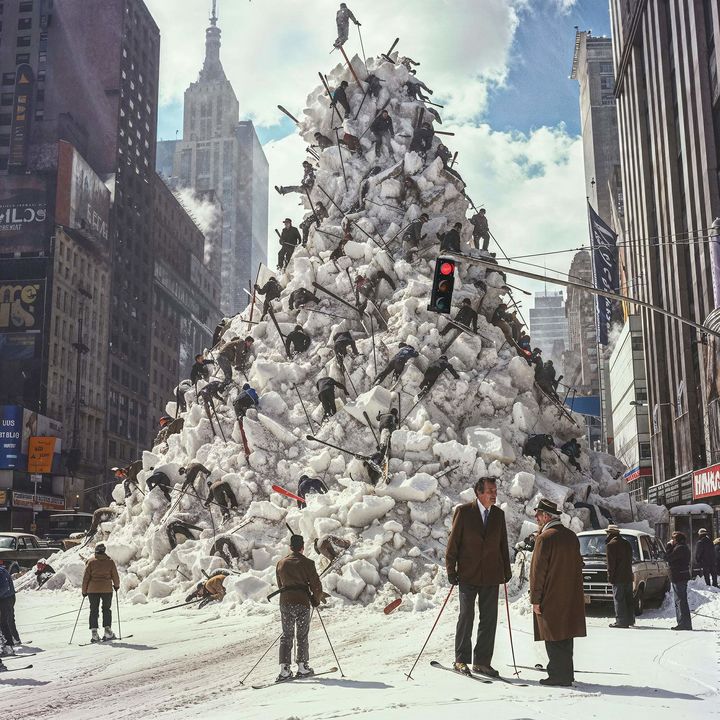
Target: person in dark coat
(466, 316)
(246, 399)
(306, 184)
(413, 235)
(183, 528)
(443, 152)
(180, 390)
(211, 392)
(397, 363)
(382, 129)
(308, 486)
(317, 217)
(422, 138)
(300, 297)
(620, 575)
(571, 449)
(8, 629)
(191, 472)
(323, 141)
(387, 422)
(374, 85)
(200, 369)
(534, 446)
(716, 546)
(433, 372)
(331, 546)
(297, 341)
(228, 357)
(677, 554)
(499, 320)
(340, 98)
(289, 240)
(220, 493)
(300, 587)
(342, 19)
(556, 593)
(481, 230)
(705, 557)
(326, 394)
(219, 330)
(168, 427)
(450, 240)
(159, 480)
(128, 476)
(368, 286)
(341, 342)
(478, 560)
(271, 290)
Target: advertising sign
(45, 502)
(40, 454)
(20, 129)
(83, 199)
(21, 306)
(23, 214)
(11, 419)
(603, 241)
(706, 482)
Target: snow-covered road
(188, 664)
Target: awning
(587, 405)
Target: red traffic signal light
(442, 287)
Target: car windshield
(7, 543)
(594, 545)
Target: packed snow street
(371, 471)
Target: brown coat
(214, 586)
(101, 575)
(296, 569)
(619, 560)
(556, 584)
(476, 554)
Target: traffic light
(442, 287)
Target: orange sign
(40, 454)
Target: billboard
(20, 129)
(706, 482)
(40, 454)
(28, 500)
(23, 214)
(11, 420)
(603, 241)
(83, 200)
(21, 306)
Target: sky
(500, 67)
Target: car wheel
(640, 601)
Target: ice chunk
(350, 584)
(418, 487)
(248, 587)
(370, 508)
(262, 559)
(490, 444)
(426, 512)
(372, 402)
(266, 510)
(400, 580)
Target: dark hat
(549, 507)
(457, 225)
(393, 411)
(612, 529)
(100, 549)
(482, 210)
(423, 215)
(443, 357)
(344, 83)
(246, 386)
(466, 301)
(287, 220)
(250, 339)
(298, 327)
(297, 542)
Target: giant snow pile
(478, 424)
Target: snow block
(372, 402)
(366, 571)
(370, 508)
(278, 431)
(521, 486)
(453, 452)
(552, 491)
(248, 587)
(350, 584)
(521, 374)
(400, 580)
(426, 512)
(265, 509)
(490, 444)
(262, 559)
(419, 488)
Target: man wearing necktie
(478, 560)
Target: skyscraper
(548, 325)
(220, 153)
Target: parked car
(651, 574)
(22, 550)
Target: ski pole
(362, 47)
(242, 682)
(172, 607)
(329, 643)
(76, 620)
(512, 648)
(307, 417)
(117, 608)
(342, 162)
(69, 612)
(437, 619)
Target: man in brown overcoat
(556, 593)
(620, 575)
(478, 559)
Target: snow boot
(7, 650)
(461, 667)
(485, 670)
(285, 673)
(109, 634)
(95, 637)
(3, 668)
(304, 670)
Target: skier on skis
(180, 391)
(99, 580)
(306, 184)
(159, 480)
(422, 139)
(168, 427)
(323, 141)
(341, 342)
(433, 372)
(342, 19)
(220, 493)
(317, 217)
(271, 290)
(209, 394)
(289, 240)
(499, 320)
(247, 398)
(388, 422)
(101, 515)
(331, 546)
(382, 129)
(326, 394)
(229, 356)
(200, 369)
(183, 528)
(300, 297)
(209, 590)
(572, 450)
(466, 316)
(191, 472)
(128, 476)
(8, 629)
(367, 288)
(297, 341)
(534, 446)
(340, 98)
(481, 230)
(413, 235)
(397, 363)
(443, 152)
(450, 240)
(309, 486)
(478, 560)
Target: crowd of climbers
(477, 556)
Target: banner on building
(83, 200)
(20, 128)
(706, 482)
(40, 454)
(23, 214)
(11, 419)
(28, 500)
(603, 241)
(21, 306)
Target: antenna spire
(214, 16)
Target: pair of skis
(479, 677)
(107, 642)
(293, 678)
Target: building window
(606, 68)
(25, 7)
(608, 99)
(24, 23)
(22, 58)
(606, 83)
(23, 41)
(6, 99)
(5, 119)
(8, 78)
(645, 451)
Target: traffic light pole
(580, 286)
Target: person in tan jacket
(299, 587)
(478, 559)
(211, 589)
(100, 579)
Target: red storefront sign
(706, 482)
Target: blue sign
(11, 430)
(603, 241)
